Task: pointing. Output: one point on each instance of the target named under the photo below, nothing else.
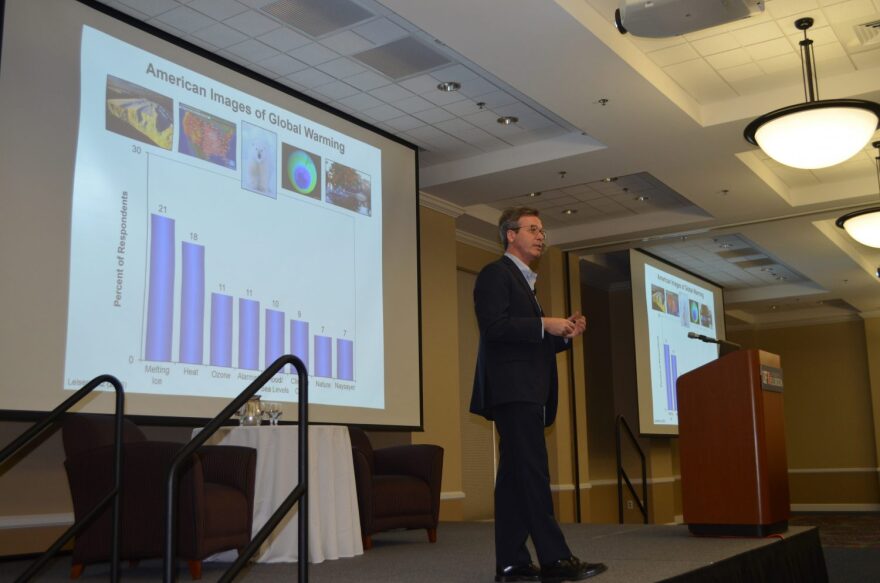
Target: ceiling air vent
(868, 33)
(402, 58)
(317, 17)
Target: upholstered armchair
(397, 487)
(215, 503)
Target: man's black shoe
(570, 569)
(518, 573)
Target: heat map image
(301, 171)
(207, 137)
(138, 113)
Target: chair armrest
(422, 461)
(363, 480)
(230, 465)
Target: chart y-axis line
(146, 259)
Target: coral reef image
(300, 171)
(348, 188)
(207, 137)
(138, 113)
(658, 298)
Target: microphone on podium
(726, 346)
(702, 337)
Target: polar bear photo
(259, 160)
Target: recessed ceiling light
(449, 86)
(609, 179)
(642, 198)
(534, 194)
(507, 120)
(774, 307)
(569, 211)
(726, 245)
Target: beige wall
(832, 378)
(830, 409)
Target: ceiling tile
(185, 19)
(866, 60)
(757, 34)
(715, 44)
(367, 80)
(785, 8)
(770, 48)
(455, 72)
(420, 84)
(346, 43)
(341, 68)
(253, 50)
(477, 88)
(218, 9)
(673, 55)
(283, 64)
(380, 31)
(311, 78)
(729, 59)
(438, 97)
(850, 10)
(338, 90)
(789, 64)
(383, 112)
(463, 107)
(747, 71)
(700, 80)
(151, 7)
(313, 54)
(390, 93)
(284, 39)
(404, 123)
(252, 23)
(434, 115)
(220, 35)
(413, 104)
(361, 101)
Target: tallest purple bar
(160, 301)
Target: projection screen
(669, 303)
(180, 223)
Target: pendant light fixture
(864, 225)
(817, 133)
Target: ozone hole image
(302, 172)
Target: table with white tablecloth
(334, 523)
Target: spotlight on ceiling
(449, 86)
(507, 120)
(817, 133)
(864, 225)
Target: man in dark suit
(515, 385)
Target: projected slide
(675, 307)
(212, 232)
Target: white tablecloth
(334, 523)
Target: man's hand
(580, 324)
(558, 326)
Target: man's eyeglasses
(531, 229)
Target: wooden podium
(734, 473)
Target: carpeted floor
(854, 530)
(464, 553)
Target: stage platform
(464, 553)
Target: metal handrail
(299, 492)
(621, 474)
(114, 494)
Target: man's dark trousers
(523, 504)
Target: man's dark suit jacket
(515, 363)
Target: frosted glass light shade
(863, 226)
(816, 134)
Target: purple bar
(668, 371)
(344, 359)
(248, 334)
(674, 382)
(323, 356)
(274, 335)
(299, 341)
(160, 302)
(192, 304)
(221, 330)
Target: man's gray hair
(510, 220)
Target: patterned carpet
(860, 530)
